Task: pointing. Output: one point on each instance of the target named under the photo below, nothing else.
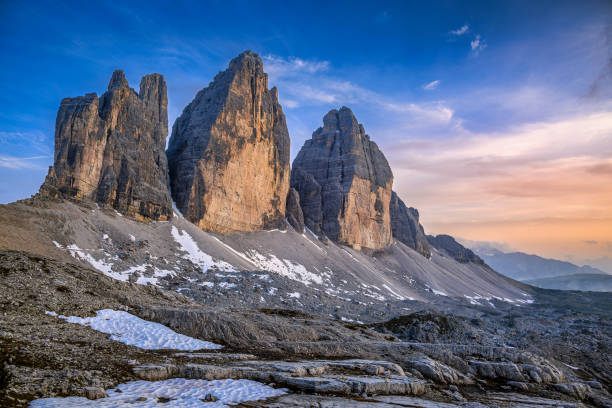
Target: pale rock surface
(229, 152)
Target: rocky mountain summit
(229, 152)
(344, 183)
(111, 149)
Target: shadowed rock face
(344, 183)
(454, 249)
(406, 227)
(295, 216)
(229, 152)
(111, 149)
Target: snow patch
(181, 393)
(283, 267)
(100, 265)
(296, 295)
(134, 331)
(438, 292)
(394, 293)
(195, 255)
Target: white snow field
(195, 254)
(181, 392)
(133, 331)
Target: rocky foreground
(554, 353)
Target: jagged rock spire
(229, 152)
(118, 80)
(344, 183)
(111, 149)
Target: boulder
(94, 393)
(111, 149)
(229, 153)
(344, 183)
(436, 371)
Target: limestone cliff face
(344, 183)
(406, 227)
(111, 149)
(229, 152)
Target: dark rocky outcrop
(454, 249)
(295, 216)
(406, 227)
(229, 152)
(111, 149)
(344, 182)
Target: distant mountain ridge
(584, 281)
(523, 267)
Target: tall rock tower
(229, 152)
(344, 183)
(111, 149)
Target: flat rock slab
(370, 367)
(152, 372)
(217, 357)
(396, 401)
(297, 369)
(520, 400)
(357, 385)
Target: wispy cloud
(432, 85)
(313, 83)
(460, 31)
(18, 163)
(281, 67)
(535, 177)
(478, 44)
(435, 111)
(35, 140)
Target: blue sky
(464, 97)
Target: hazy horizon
(496, 119)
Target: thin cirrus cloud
(505, 185)
(431, 85)
(21, 163)
(311, 83)
(460, 31)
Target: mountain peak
(247, 59)
(118, 80)
(110, 149)
(229, 152)
(344, 185)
